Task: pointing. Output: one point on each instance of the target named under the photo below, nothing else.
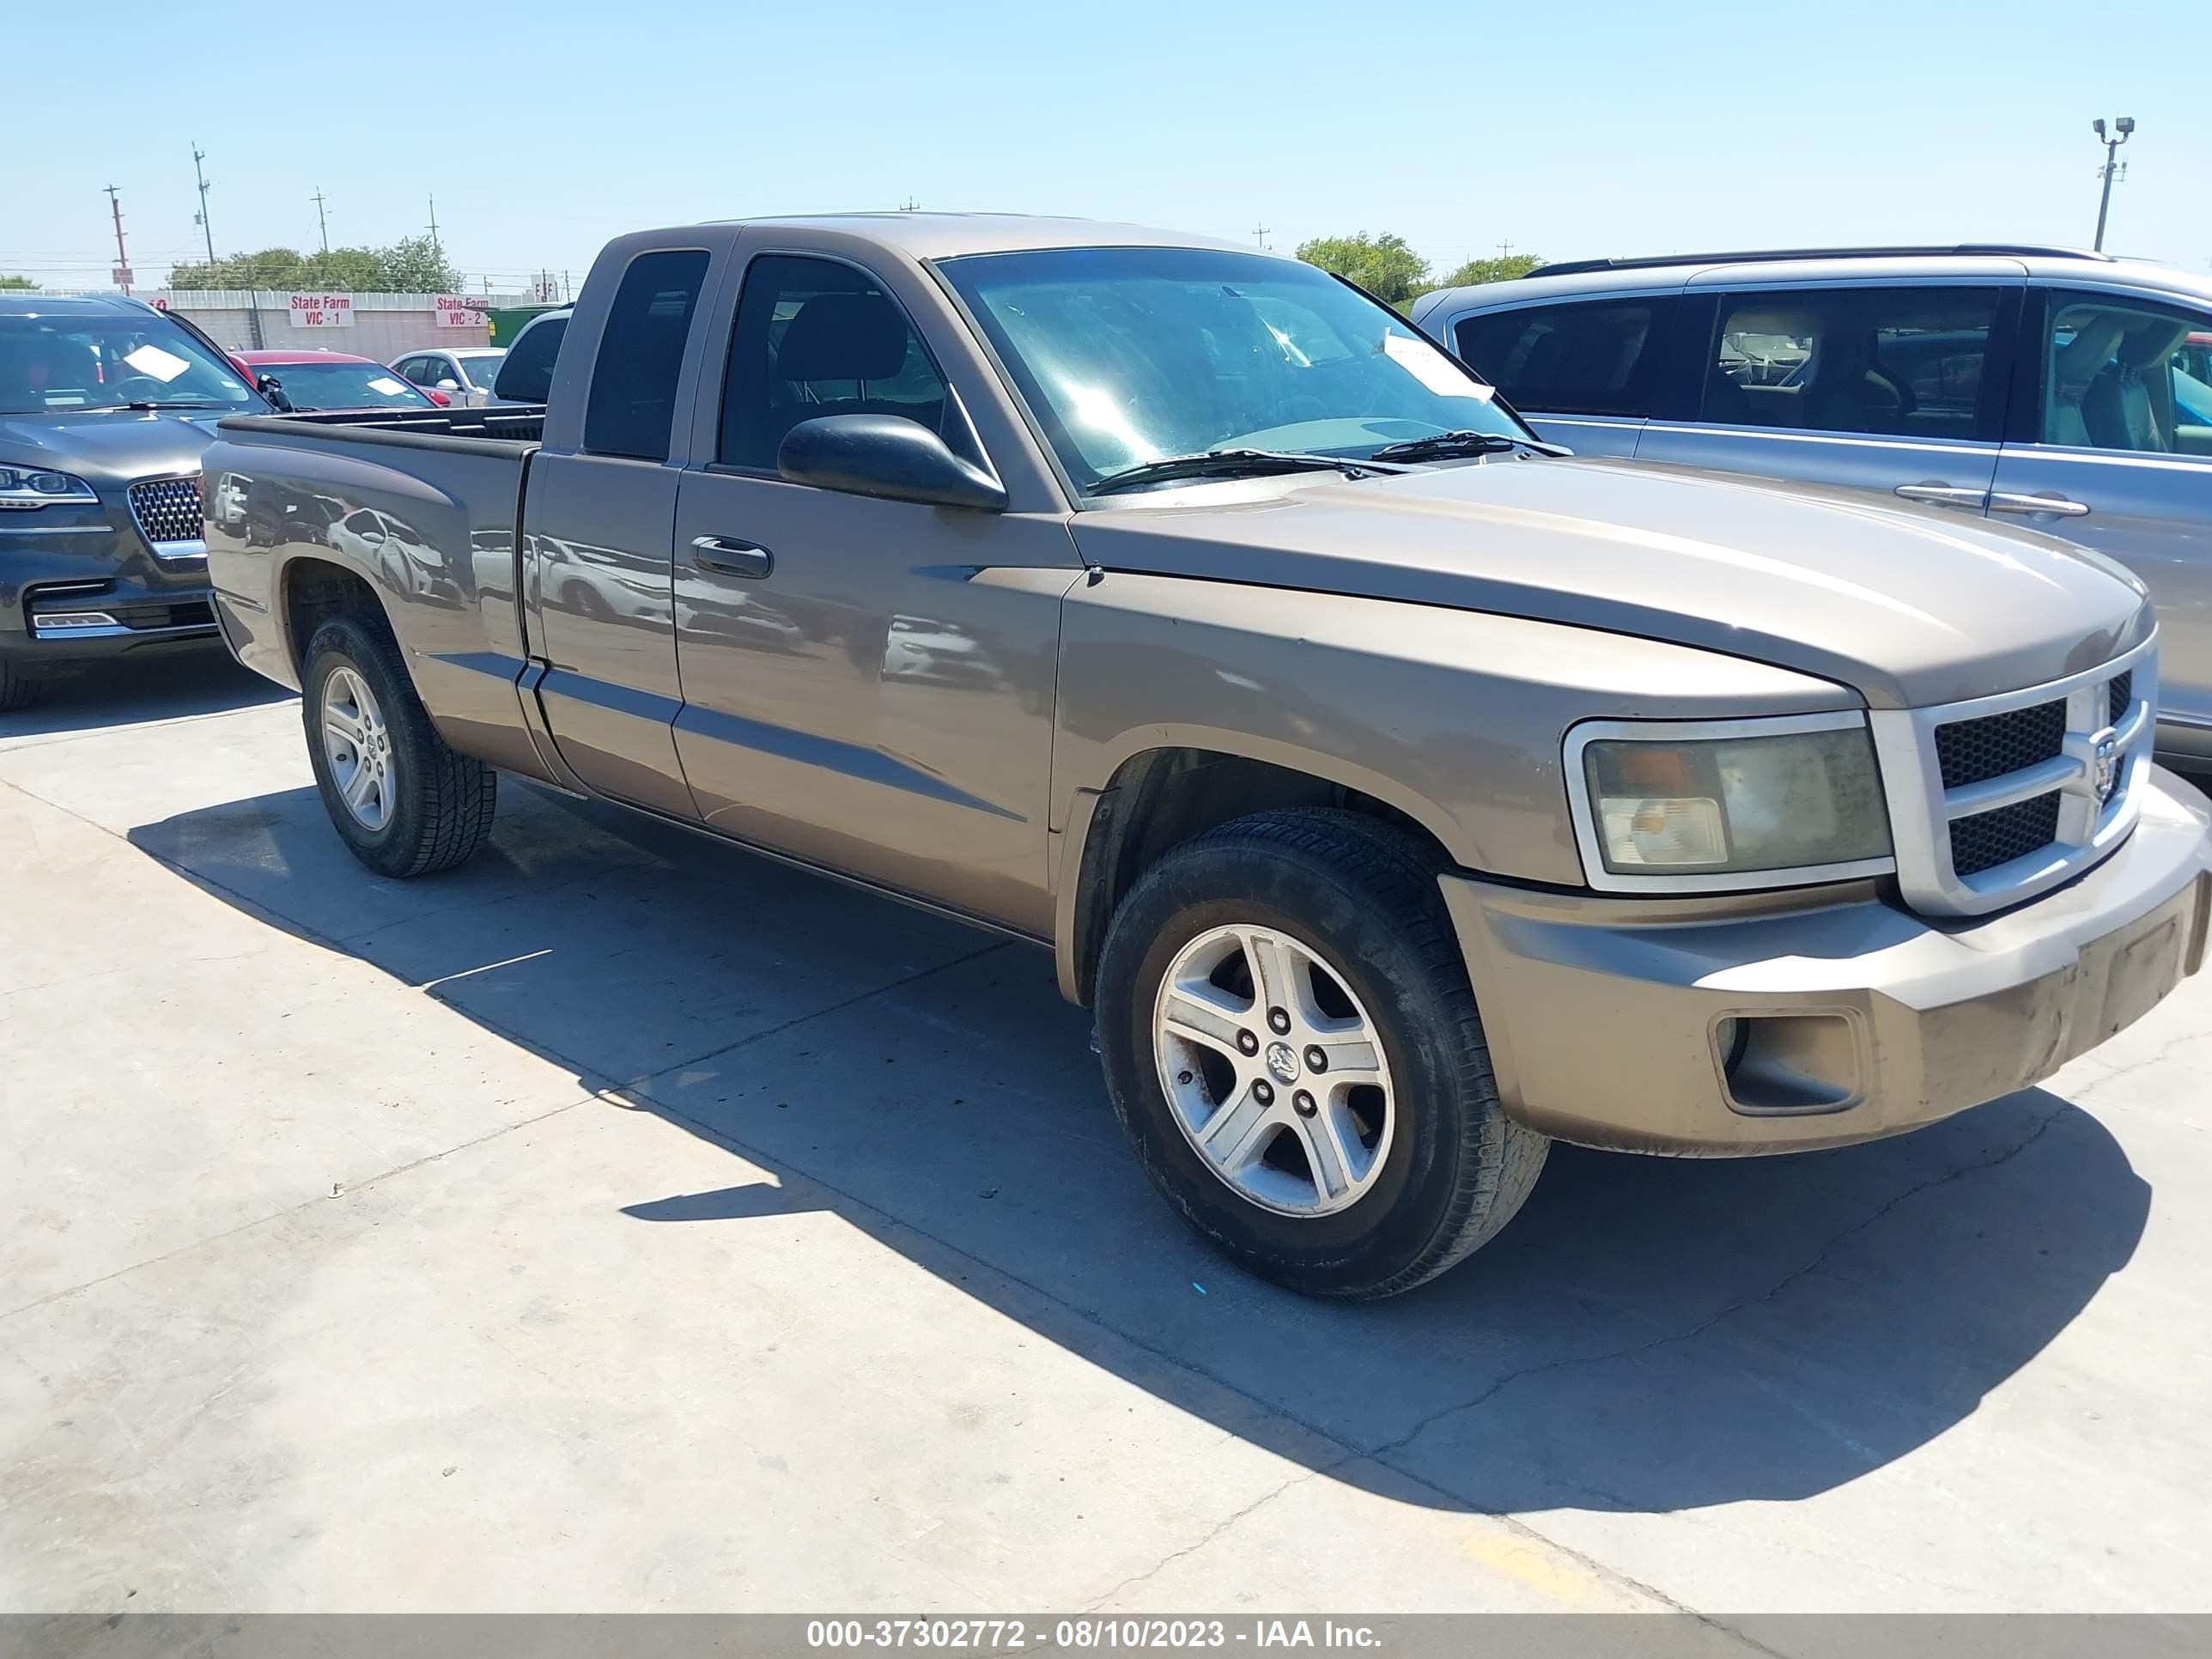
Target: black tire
(1363, 896)
(17, 688)
(443, 802)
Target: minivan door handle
(1943, 495)
(731, 557)
(2056, 506)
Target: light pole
(2120, 129)
(201, 218)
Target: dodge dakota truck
(1399, 793)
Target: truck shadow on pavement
(1648, 1335)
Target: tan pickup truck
(1401, 793)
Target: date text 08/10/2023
(1011, 1635)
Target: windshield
(343, 386)
(1126, 355)
(76, 361)
(482, 366)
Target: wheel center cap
(1283, 1061)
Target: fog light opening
(1783, 1065)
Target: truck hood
(110, 446)
(1906, 607)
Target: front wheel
(406, 802)
(17, 688)
(1290, 1041)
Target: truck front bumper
(1775, 1023)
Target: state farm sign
(322, 311)
(455, 312)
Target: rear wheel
(406, 802)
(1290, 1041)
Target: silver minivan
(2068, 390)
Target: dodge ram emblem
(2104, 766)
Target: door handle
(1943, 495)
(2056, 506)
(731, 557)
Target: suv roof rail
(1569, 267)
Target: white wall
(384, 324)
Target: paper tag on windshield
(162, 366)
(1432, 368)
(387, 386)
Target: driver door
(867, 683)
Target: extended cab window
(1900, 361)
(814, 338)
(1586, 358)
(633, 401)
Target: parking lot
(625, 1223)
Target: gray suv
(2068, 390)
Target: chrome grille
(1989, 839)
(1995, 800)
(1973, 752)
(168, 512)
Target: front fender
(1453, 718)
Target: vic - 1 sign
(322, 311)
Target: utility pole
(322, 223)
(1505, 250)
(435, 246)
(2122, 129)
(1259, 234)
(909, 205)
(201, 217)
(122, 259)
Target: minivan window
(526, 374)
(1581, 358)
(1890, 361)
(2118, 375)
(814, 338)
(633, 401)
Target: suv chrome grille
(169, 514)
(1995, 800)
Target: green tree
(410, 266)
(1385, 265)
(17, 283)
(1503, 269)
(416, 264)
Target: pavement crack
(1212, 1533)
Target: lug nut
(1316, 1059)
(1278, 1021)
(1264, 1092)
(1246, 1044)
(1302, 1103)
(1183, 1077)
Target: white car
(463, 373)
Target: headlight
(1725, 804)
(23, 490)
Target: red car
(329, 380)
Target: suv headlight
(1718, 805)
(25, 488)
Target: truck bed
(518, 424)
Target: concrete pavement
(625, 1223)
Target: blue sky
(1568, 129)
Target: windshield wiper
(1442, 446)
(179, 403)
(1232, 464)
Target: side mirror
(886, 456)
(273, 389)
(449, 384)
